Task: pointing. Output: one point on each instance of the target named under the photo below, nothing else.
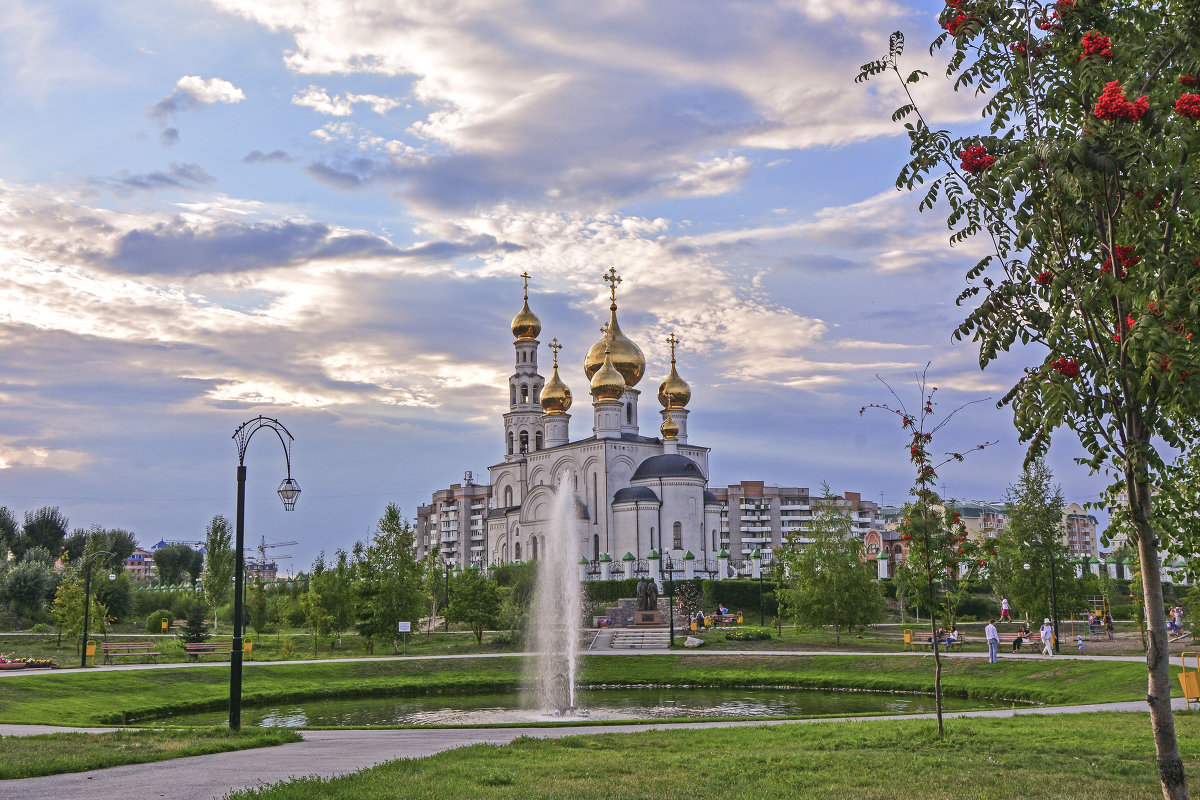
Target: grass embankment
(1098, 756)
(99, 698)
(54, 753)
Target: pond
(597, 704)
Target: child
(1079, 639)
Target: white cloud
(192, 91)
(319, 100)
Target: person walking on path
(1005, 616)
(1047, 637)
(1108, 625)
(993, 639)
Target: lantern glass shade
(289, 490)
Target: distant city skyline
(318, 211)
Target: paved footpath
(331, 753)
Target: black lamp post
(288, 491)
(671, 596)
(446, 604)
(86, 564)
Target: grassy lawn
(92, 698)
(50, 754)
(270, 647)
(1097, 756)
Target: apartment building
(454, 523)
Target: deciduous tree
(474, 601)
(219, 564)
(827, 583)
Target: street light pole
(671, 596)
(446, 604)
(87, 597)
(288, 492)
(1053, 600)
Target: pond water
(596, 704)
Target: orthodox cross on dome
(555, 346)
(613, 279)
(526, 276)
(672, 340)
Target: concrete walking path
(337, 752)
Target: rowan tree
(1083, 188)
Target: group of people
(703, 620)
(946, 637)
(1096, 620)
(992, 635)
(1175, 619)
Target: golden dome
(525, 324)
(627, 357)
(607, 382)
(669, 429)
(556, 397)
(674, 391)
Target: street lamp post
(671, 596)
(288, 492)
(446, 598)
(86, 564)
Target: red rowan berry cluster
(1113, 105)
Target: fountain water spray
(556, 620)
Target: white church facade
(631, 493)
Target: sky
(318, 210)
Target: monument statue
(651, 596)
(642, 595)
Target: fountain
(556, 618)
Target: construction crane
(264, 565)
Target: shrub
(155, 618)
(888, 585)
(740, 595)
(748, 634)
(41, 627)
(977, 608)
(610, 591)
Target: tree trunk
(837, 635)
(1158, 655)
(937, 671)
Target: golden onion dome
(674, 391)
(525, 324)
(607, 382)
(627, 357)
(556, 397)
(669, 430)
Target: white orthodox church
(632, 493)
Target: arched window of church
(508, 496)
(595, 497)
(517, 551)
(595, 547)
(510, 443)
(537, 393)
(537, 441)
(524, 441)
(677, 536)
(629, 413)
(651, 537)
(504, 553)
(512, 395)
(533, 543)
(714, 537)
(524, 393)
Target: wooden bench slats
(117, 649)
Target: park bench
(726, 619)
(198, 649)
(113, 650)
(1034, 639)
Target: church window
(524, 441)
(537, 393)
(677, 536)
(517, 551)
(504, 553)
(533, 543)
(524, 393)
(595, 547)
(651, 537)
(508, 496)
(595, 497)
(629, 413)
(512, 395)
(537, 440)
(510, 443)
(714, 538)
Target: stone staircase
(640, 639)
